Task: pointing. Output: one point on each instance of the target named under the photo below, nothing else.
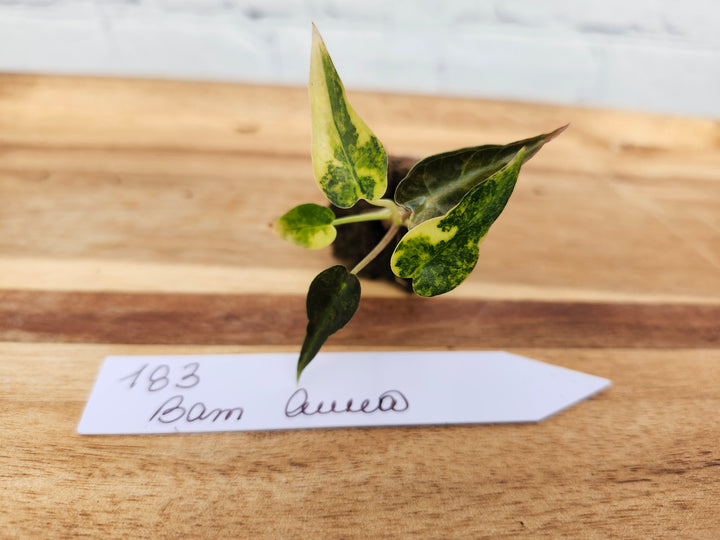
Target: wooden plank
(49, 316)
(191, 174)
(134, 219)
(639, 460)
(158, 116)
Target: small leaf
(308, 225)
(348, 160)
(441, 252)
(332, 300)
(437, 183)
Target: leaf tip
(300, 369)
(316, 37)
(557, 132)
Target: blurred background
(651, 55)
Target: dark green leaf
(437, 183)
(308, 225)
(441, 252)
(332, 300)
(348, 160)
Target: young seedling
(447, 201)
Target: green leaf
(348, 160)
(308, 225)
(441, 252)
(332, 300)
(437, 183)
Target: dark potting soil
(355, 240)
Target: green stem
(389, 235)
(396, 212)
(367, 216)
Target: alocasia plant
(447, 201)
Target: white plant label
(204, 393)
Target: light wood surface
(134, 218)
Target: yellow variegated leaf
(308, 225)
(441, 252)
(349, 162)
(437, 183)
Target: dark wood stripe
(97, 317)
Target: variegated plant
(447, 201)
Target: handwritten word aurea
(389, 401)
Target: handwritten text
(389, 401)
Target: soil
(355, 240)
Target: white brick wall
(660, 55)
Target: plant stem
(389, 235)
(395, 210)
(367, 216)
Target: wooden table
(134, 219)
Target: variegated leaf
(441, 252)
(349, 162)
(437, 183)
(308, 225)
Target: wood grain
(134, 219)
(639, 460)
(61, 317)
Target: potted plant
(447, 202)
